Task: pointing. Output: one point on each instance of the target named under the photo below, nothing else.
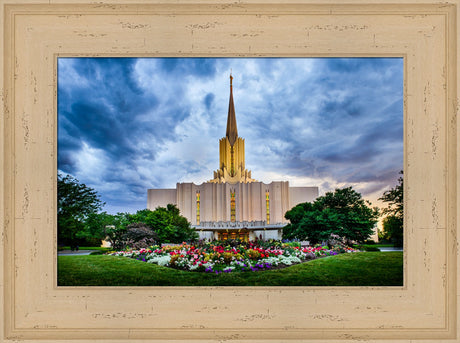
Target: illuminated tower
(231, 151)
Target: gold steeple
(231, 151)
(232, 132)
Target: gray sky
(127, 125)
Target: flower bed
(213, 258)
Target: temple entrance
(242, 235)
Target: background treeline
(342, 214)
(80, 222)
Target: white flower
(161, 260)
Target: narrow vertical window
(232, 161)
(267, 205)
(232, 206)
(198, 208)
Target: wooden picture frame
(35, 33)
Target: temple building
(233, 205)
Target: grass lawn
(85, 248)
(377, 245)
(353, 269)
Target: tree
(138, 236)
(343, 213)
(394, 198)
(394, 221)
(104, 226)
(167, 222)
(76, 202)
(393, 230)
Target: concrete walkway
(383, 249)
(74, 253)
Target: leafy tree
(114, 232)
(104, 226)
(343, 213)
(167, 222)
(393, 230)
(394, 198)
(76, 202)
(94, 227)
(393, 223)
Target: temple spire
(232, 132)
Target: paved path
(390, 249)
(74, 253)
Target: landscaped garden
(234, 263)
(339, 225)
(353, 269)
(229, 257)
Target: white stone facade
(232, 204)
(215, 201)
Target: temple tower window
(198, 208)
(267, 205)
(232, 206)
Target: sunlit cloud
(126, 124)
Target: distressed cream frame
(35, 33)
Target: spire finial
(232, 132)
(231, 79)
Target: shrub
(142, 244)
(371, 249)
(253, 254)
(138, 231)
(137, 236)
(291, 244)
(228, 256)
(173, 260)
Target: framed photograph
(37, 34)
(156, 132)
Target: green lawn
(377, 245)
(353, 269)
(85, 248)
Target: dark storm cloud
(103, 106)
(126, 125)
(343, 121)
(106, 107)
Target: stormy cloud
(127, 124)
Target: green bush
(137, 236)
(292, 244)
(371, 249)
